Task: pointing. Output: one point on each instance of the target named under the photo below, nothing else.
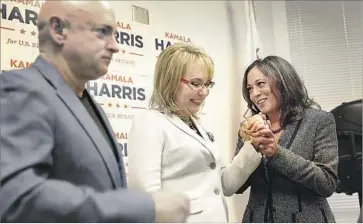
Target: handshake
(257, 130)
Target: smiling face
(191, 92)
(183, 74)
(262, 92)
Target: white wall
(206, 23)
(272, 26)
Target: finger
(258, 126)
(255, 143)
(258, 117)
(263, 116)
(262, 140)
(266, 141)
(268, 150)
(264, 151)
(242, 129)
(252, 122)
(244, 136)
(253, 119)
(265, 132)
(256, 129)
(253, 127)
(242, 132)
(245, 124)
(253, 134)
(262, 127)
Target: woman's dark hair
(294, 96)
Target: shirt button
(212, 165)
(217, 191)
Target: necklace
(276, 131)
(192, 125)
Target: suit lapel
(288, 132)
(185, 128)
(201, 130)
(70, 99)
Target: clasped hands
(256, 129)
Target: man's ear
(56, 29)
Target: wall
(204, 22)
(207, 23)
(272, 27)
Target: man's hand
(170, 207)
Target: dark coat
(301, 177)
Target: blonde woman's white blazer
(164, 153)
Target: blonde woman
(170, 150)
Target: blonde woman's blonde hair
(170, 67)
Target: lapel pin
(210, 136)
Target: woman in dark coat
(299, 171)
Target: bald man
(59, 158)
